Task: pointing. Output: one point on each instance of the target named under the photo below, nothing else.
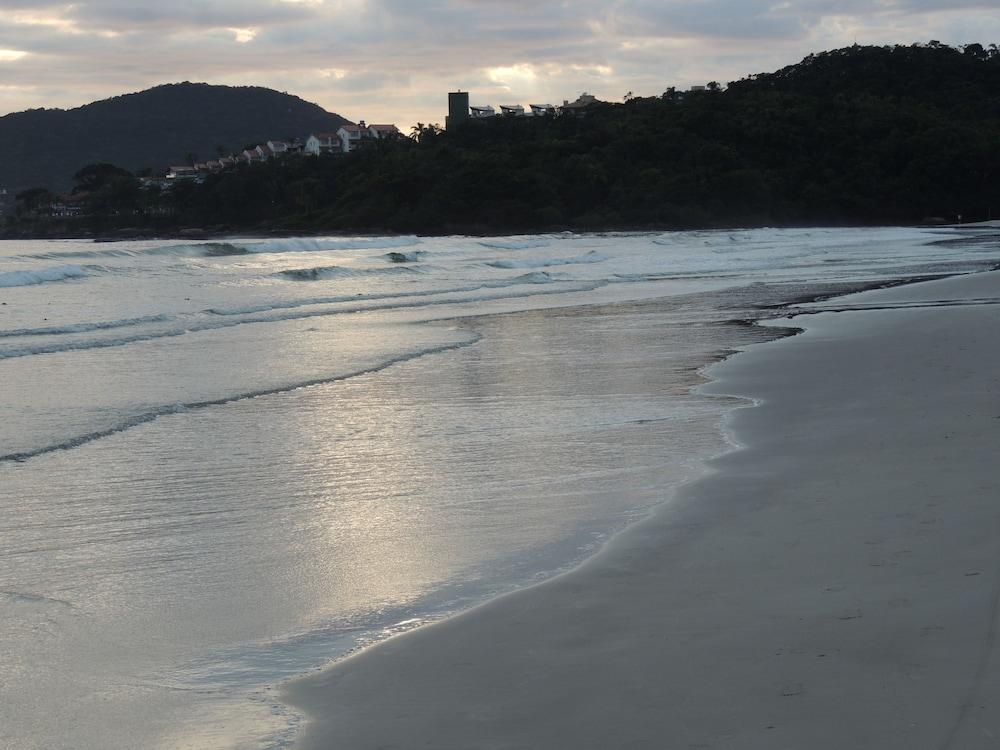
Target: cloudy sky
(395, 60)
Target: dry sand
(834, 584)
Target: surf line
(162, 411)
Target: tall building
(458, 109)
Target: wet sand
(833, 584)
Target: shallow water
(224, 464)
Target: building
(541, 110)
(322, 143)
(482, 112)
(383, 131)
(182, 173)
(278, 147)
(512, 110)
(353, 136)
(579, 106)
(458, 109)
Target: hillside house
(250, 156)
(264, 151)
(541, 110)
(383, 131)
(322, 143)
(512, 110)
(579, 106)
(482, 113)
(353, 136)
(278, 147)
(182, 172)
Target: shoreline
(367, 691)
(197, 234)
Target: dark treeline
(861, 135)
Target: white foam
(319, 244)
(514, 245)
(41, 276)
(592, 257)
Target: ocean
(225, 464)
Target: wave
(324, 273)
(42, 276)
(85, 327)
(241, 247)
(157, 412)
(405, 257)
(514, 244)
(592, 257)
(281, 313)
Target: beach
(227, 465)
(832, 583)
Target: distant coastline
(861, 136)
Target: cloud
(395, 60)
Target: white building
(512, 110)
(351, 136)
(540, 110)
(481, 113)
(322, 143)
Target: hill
(862, 135)
(149, 129)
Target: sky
(394, 61)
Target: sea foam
(592, 257)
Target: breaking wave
(322, 307)
(238, 247)
(42, 276)
(85, 327)
(339, 272)
(592, 257)
(514, 244)
(412, 257)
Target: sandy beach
(834, 583)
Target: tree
(33, 201)
(95, 176)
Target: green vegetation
(155, 128)
(859, 135)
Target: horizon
(384, 61)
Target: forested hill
(149, 129)
(861, 135)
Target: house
(213, 166)
(227, 162)
(201, 167)
(278, 147)
(512, 110)
(182, 173)
(481, 113)
(264, 152)
(383, 131)
(322, 143)
(579, 106)
(540, 110)
(354, 136)
(250, 156)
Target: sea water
(224, 464)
